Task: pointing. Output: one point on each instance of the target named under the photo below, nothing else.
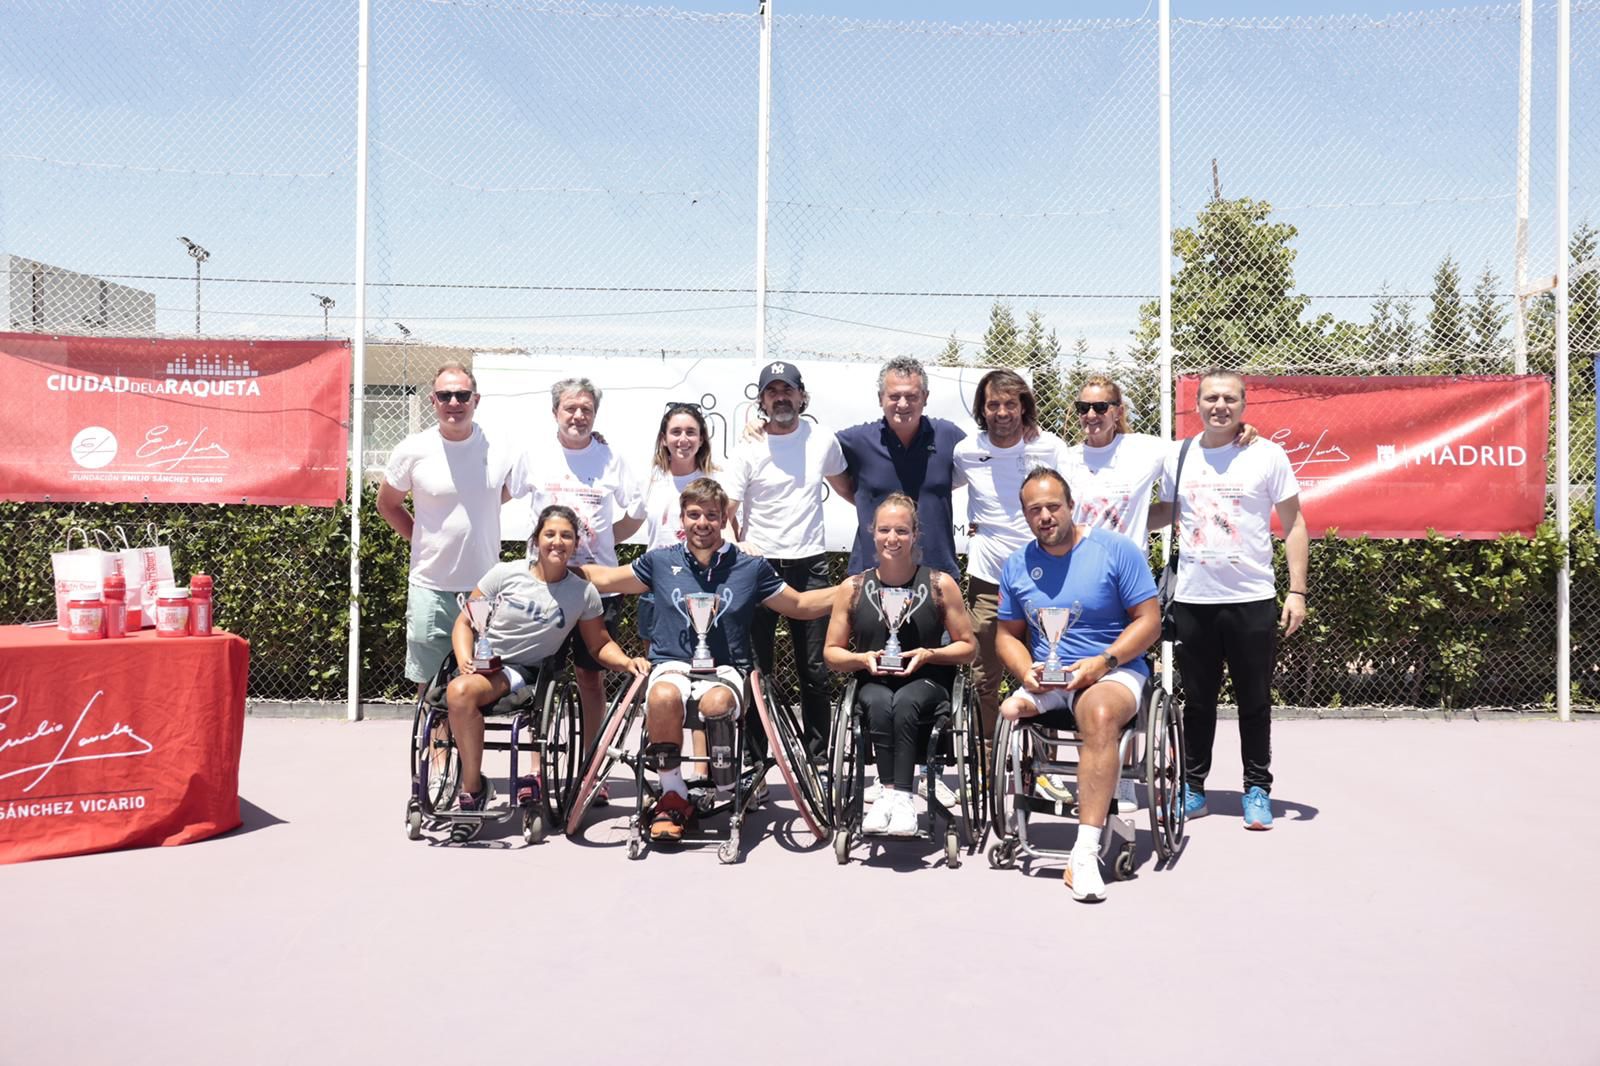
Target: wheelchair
(780, 720)
(953, 741)
(1022, 751)
(546, 711)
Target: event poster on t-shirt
(636, 390)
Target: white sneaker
(872, 793)
(876, 819)
(941, 791)
(1127, 797)
(1055, 787)
(903, 816)
(1083, 876)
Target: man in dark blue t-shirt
(1103, 579)
(703, 564)
(904, 451)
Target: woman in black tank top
(935, 636)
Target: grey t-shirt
(535, 616)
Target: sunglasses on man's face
(1099, 407)
(458, 395)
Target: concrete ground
(1427, 896)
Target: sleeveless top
(923, 626)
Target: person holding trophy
(518, 616)
(1077, 611)
(706, 593)
(903, 629)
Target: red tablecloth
(117, 743)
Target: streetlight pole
(327, 303)
(200, 255)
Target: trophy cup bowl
(895, 604)
(701, 608)
(478, 613)
(1054, 623)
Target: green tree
(951, 356)
(1001, 344)
(1391, 335)
(1448, 337)
(1487, 316)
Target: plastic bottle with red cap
(200, 615)
(115, 592)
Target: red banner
(118, 419)
(1398, 456)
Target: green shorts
(430, 619)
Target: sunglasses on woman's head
(1099, 407)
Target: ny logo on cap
(775, 368)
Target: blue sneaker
(1257, 808)
(1194, 803)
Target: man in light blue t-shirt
(1104, 576)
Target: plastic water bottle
(116, 596)
(200, 605)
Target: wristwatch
(1112, 662)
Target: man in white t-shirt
(992, 466)
(457, 482)
(576, 469)
(778, 479)
(1226, 609)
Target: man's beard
(783, 414)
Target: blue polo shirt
(880, 464)
(1105, 572)
(741, 581)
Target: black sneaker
(465, 829)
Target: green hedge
(1427, 623)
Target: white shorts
(1060, 699)
(514, 676)
(695, 686)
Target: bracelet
(1297, 592)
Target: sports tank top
(923, 626)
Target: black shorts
(577, 650)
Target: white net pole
(1164, 274)
(763, 152)
(358, 377)
(1563, 441)
(1519, 336)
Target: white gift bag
(145, 569)
(80, 570)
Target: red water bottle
(200, 605)
(115, 591)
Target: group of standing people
(1049, 523)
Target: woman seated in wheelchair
(538, 603)
(934, 634)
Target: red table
(117, 743)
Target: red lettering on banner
(1400, 456)
(177, 421)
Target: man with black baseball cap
(777, 480)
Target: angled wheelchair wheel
(1008, 774)
(967, 743)
(1164, 759)
(561, 736)
(845, 771)
(785, 734)
(605, 751)
(438, 767)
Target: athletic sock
(1088, 838)
(672, 781)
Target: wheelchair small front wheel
(952, 848)
(1123, 867)
(533, 825)
(413, 824)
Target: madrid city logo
(94, 447)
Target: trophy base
(491, 665)
(1056, 678)
(702, 666)
(895, 665)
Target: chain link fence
(566, 179)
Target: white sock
(1088, 839)
(672, 781)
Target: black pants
(807, 638)
(1244, 636)
(898, 718)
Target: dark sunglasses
(678, 406)
(458, 395)
(1099, 407)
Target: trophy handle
(677, 601)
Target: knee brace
(663, 756)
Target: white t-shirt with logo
(1225, 519)
(663, 514)
(1111, 485)
(993, 477)
(780, 479)
(592, 481)
(455, 505)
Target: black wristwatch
(1112, 662)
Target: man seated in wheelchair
(537, 603)
(706, 592)
(1091, 595)
(932, 636)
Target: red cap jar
(172, 612)
(86, 616)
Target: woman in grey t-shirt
(539, 602)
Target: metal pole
(1519, 336)
(197, 297)
(358, 376)
(1563, 444)
(763, 147)
(1164, 271)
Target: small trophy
(701, 609)
(1054, 623)
(478, 613)
(894, 605)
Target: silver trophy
(1054, 622)
(701, 609)
(894, 605)
(479, 612)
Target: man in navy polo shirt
(703, 563)
(905, 451)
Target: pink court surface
(1428, 896)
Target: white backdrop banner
(636, 390)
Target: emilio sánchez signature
(186, 451)
(73, 748)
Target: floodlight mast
(326, 303)
(199, 255)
